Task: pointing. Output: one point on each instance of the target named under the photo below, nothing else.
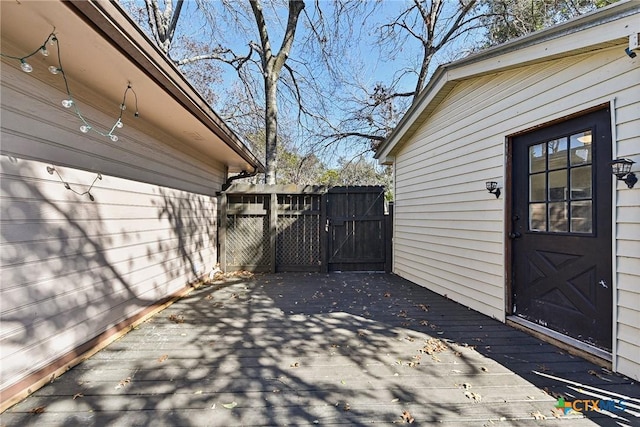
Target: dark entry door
(561, 228)
(356, 229)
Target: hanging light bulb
(44, 51)
(67, 103)
(85, 128)
(53, 69)
(123, 107)
(114, 138)
(25, 66)
(119, 124)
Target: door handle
(515, 235)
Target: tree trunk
(271, 127)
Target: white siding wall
(71, 268)
(449, 231)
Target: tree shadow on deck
(312, 349)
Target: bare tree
(372, 111)
(508, 19)
(272, 65)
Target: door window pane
(537, 188)
(537, 158)
(561, 177)
(538, 217)
(558, 217)
(581, 217)
(581, 183)
(557, 185)
(581, 151)
(557, 149)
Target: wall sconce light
(621, 168)
(492, 186)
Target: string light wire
(52, 169)
(70, 101)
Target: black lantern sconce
(621, 168)
(493, 188)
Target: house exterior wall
(72, 268)
(450, 232)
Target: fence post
(324, 234)
(273, 228)
(388, 240)
(222, 232)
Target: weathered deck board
(317, 349)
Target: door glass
(537, 187)
(581, 183)
(538, 217)
(581, 217)
(561, 185)
(557, 149)
(557, 185)
(558, 217)
(581, 148)
(537, 158)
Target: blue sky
(363, 63)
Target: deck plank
(318, 349)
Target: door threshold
(573, 346)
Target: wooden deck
(318, 349)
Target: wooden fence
(304, 228)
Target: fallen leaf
(406, 417)
(177, 318)
(433, 345)
(387, 294)
(557, 412)
(483, 369)
(77, 396)
(163, 358)
(209, 297)
(295, 365)
(476, 397)
(395, 400)
(230, 405)
(37, 410)
(123, 383)
(347, 407)
(538, 416)
(198, 392)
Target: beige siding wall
(627, 213)
(449, 231)
(71, 268)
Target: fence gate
(357, 232)
(293, 228)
